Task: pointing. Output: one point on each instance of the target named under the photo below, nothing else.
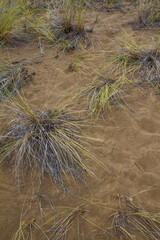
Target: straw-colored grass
(41, 28)
(140, 64)
(148, 13)
(68, 24)
(110, 4)
(49, 141)
(10, 16)
(12, 78)
(57, 226)
(107, 5)
(63, 221)
(35, 4)
(62, 26)
(132, 222)
(104, 94)
(24, 231)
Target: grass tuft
(12, 77)
(63, 221)
(103, 94)
(148, 13)
(46, 141)
(24, 231)
(62, 24)
(107, 5)
(10, 16)
(35, 4)
(68, 24)
(140, 63)
(133, 222)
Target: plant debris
(131, 219)
(12, 78)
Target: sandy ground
(129, 141)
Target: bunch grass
(12, 77)
(107, 5)
(40, 28)
(10, 18)
(63, 221)
(68, 24)
(133, 222)
(41, 4)
(148, 13)
(61, 25)
(48, 142)
(103, 94)
(140, 63)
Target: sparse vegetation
(25, 228)
(35, 4)
(132, 222)
(107, 5)
(68, 24)
(139, 63)
(41, 29)
(56, 227)
(45, 138)
(103, 94)
(10, 16)
(12, 78)
(63, 221)
(148, 13)
(48, 141)
(63, 26)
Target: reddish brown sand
(129, 144)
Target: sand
(129, 144)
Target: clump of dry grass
(35, 4)
(24, 230)
(10, 15)
(56, 227)
(12, 78)
(29, 225)
(63, 221)
(46, 141)
(14, 17)
(104, 94)
(68, 22)
(140, 63)
(148, 13)
(40, 28)
(133, 222)
(61, 25)
(107, 5)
